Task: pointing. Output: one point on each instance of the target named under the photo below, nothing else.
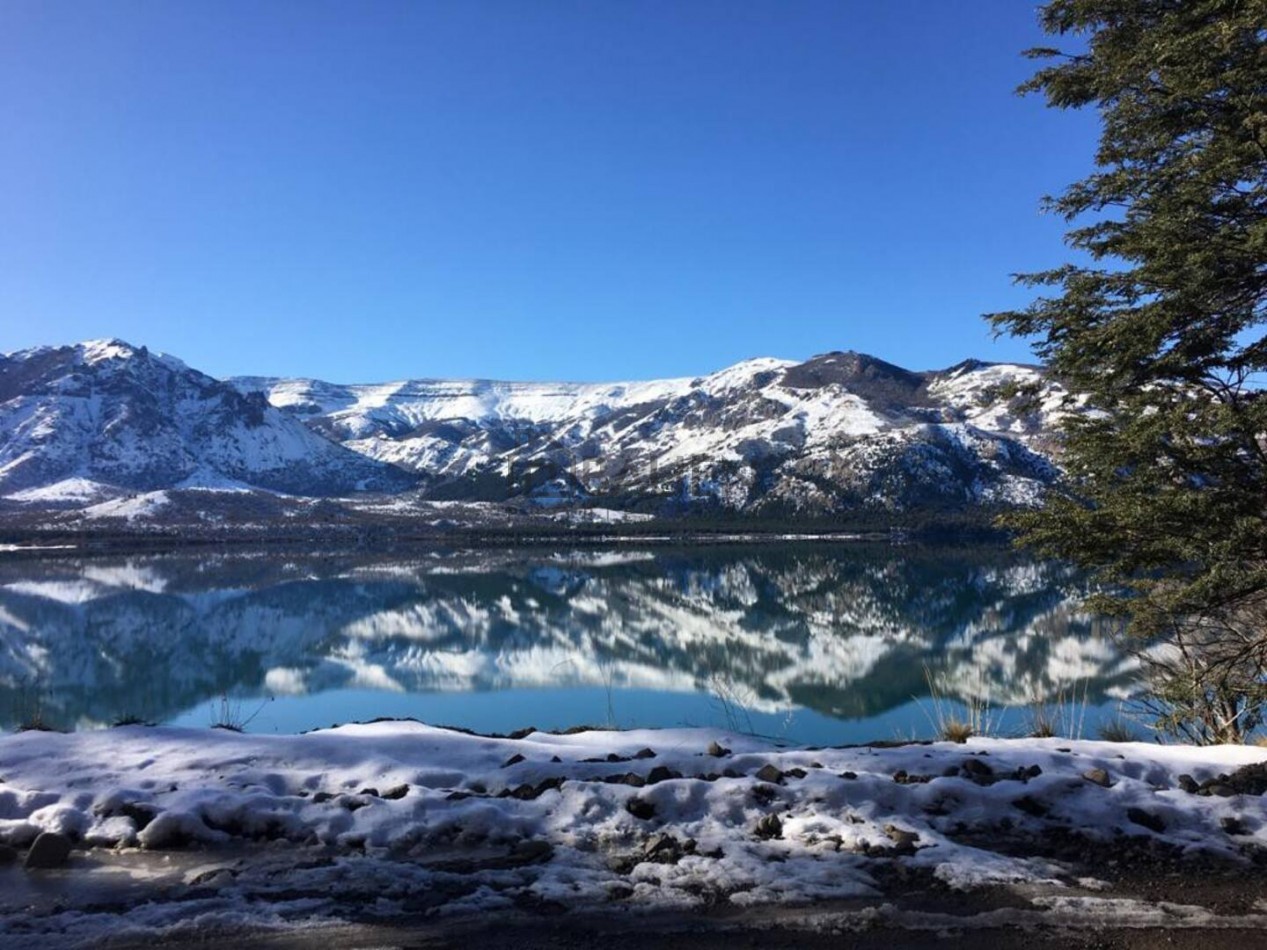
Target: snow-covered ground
(390, 818)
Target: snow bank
(651, 817)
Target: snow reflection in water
(814, 643)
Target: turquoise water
(810, 643)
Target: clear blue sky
(524, 189)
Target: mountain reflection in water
(815, 643)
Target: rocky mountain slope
(835, 432)
(79, 424)
(115, 431)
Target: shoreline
(396, 824)
(144, 543)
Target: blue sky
(526, 189)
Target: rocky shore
(143, 833)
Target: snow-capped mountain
(79, 423)
(835, 432)
(116, 431)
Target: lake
(808, 642)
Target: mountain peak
(95, 351)
(864, 375)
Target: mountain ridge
(840, 431)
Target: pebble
(769, 827)
(770, 773)
(1232, 826)
(662, 773)
(50, 850)
(640, 808)
(1097, 777)
(903, 839)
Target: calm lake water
(812, 643)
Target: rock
(1220, 789)
(546, 785)
(632, 779)
(796, 773)
(849, 776)
(903, 840)
(1249, 779)
(769, 773)
(1146, 819)
(903, 778)
(1232, 826)
(717, 751)
(769, 827)
(764, 793)
(1188, 784)
(640, 808)
(7, 855)
(370, 792)
(322, 797)
(661, 773)
(513, 760)
(657, 843)
(1032, 772)
(666, 849)
(1031, 806)
(977, 771)
(1097, 777)
(50, 850)
(140, 813)
(555, 758)
(396, 792)
(645, 754)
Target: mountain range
(107, 432)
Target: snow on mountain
(835, 432)
(80, 424)
(85, 428)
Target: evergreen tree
(1160, 324)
